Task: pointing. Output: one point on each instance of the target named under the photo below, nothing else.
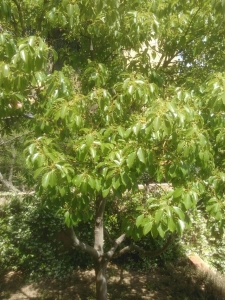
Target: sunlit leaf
(139, 220)
(147, 228)
(130, 159)
(141, 155)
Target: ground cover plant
(107, 91)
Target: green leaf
(130, 159)
(38, 172)
(84, 187)
(137, 128)
(139, 220)
(62, 169)
(92, 182)
(154, 231)
(62, 191)
(127, 133)
(171, 225)
(177, 193)
(126, 180)
(172, 107)
(141, 155)
(51, 154)
(181, 226)
(156, 123)
(89, 139)
(116, 182)
(187, 201)
(179, 212)
(105, 192)
(70, 10)
(68, 220)
(40, 160)
(180, 147)
(49, 178)
(121, 131)
(147, 228)
(24, 55)
(63, 111)
(161, 231)
(98, 185)
(78, 179)
(78, 121)
(5, 71)
(93, 152)
(158, 215)
(31, 148)
(19, 96)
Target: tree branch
(8, 184)
(10, 178)
(117, 242)
(159, 62)
(20, 15)
(146, 252)
(82, 246)
(16, 137)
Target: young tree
(138, 87)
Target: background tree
(104, 114)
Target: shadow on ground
(170, 283)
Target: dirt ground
(122, 285)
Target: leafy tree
(138, 87)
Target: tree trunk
(101, 279)
(100, 261)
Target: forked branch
(117, 242)
(81, 245)
(146, 252)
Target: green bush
(28, 241)
(205, 240)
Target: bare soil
(157, 284)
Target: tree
(138, 87)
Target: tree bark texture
(101, 261)
(101, 279)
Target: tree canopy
(118, 88)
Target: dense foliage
(33, 239)
(204, 239)
(138, 87)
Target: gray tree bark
(101, 279)
(101, 262)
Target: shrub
(33, 239)
(28, 241)
(205, 240)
